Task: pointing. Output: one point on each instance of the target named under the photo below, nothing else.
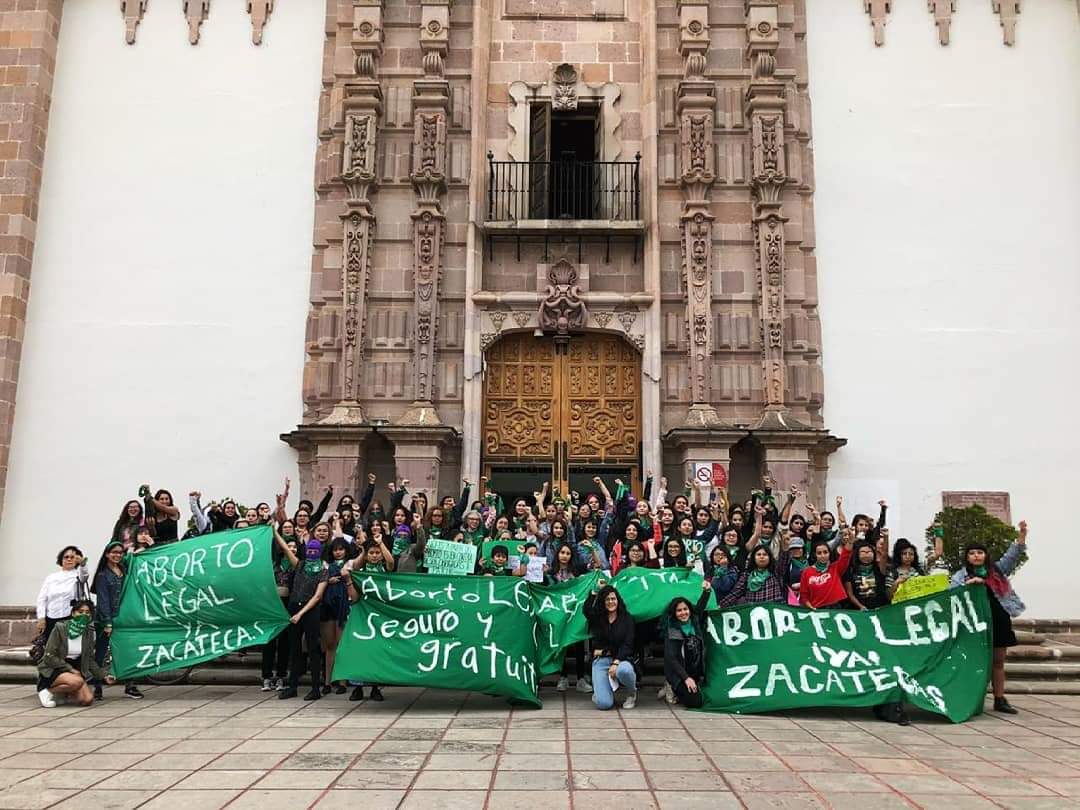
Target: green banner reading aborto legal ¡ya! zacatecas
(933, 652)
(185, 603)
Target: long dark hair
(901, 546)
(598, 618)
(666, 560)
(103, 563)
(125, 520)
(336, 543)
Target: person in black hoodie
(612, 632)
(684, 648)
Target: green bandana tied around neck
(284, 564)
(756, 579)
(720, 571)
(981, 571)
(800, 565)
(688, 629)
(821, 567)
(312, 567)
(866, 570)
(77, 625)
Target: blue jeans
(602, 695)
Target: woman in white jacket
(60, 588)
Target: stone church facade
(564, 238)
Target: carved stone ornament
(878, 10)
(498, 318)
(358, 159)
(196, 12)
(1008, 10)
(564, 88)
(522, 319)
(562, 308)
(627, 318)
(701, 329)
(260, 11)
(133, 11)
(357, 248)
(602, 318)
(486, 339)
(942, 11)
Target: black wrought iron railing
(564, 189)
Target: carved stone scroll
(765, 107)
(260, 11)
(196, 12)
(562, 310)
(878, 11)
(1008, 11)
(133, 11)
(942, 11)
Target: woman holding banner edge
(980, 568)
(308, 587)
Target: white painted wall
(947, 206)
(165, 332)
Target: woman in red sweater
(822, 583)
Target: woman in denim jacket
(980, 568)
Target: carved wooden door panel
(601, 413)
(581, 407)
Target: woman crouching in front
(68, 664)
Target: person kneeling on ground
(68, 664)
(684, 648)
(612, 631)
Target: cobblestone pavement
(207, 747)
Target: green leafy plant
(959, 527)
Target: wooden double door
(561, 413)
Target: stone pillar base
(702, 415)
(418, 455)
(421, 414)
(331, 454)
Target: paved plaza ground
(208, 747)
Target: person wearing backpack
(684, 648)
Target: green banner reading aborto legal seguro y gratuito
(932, 652)
(449, 632)
(185, 603)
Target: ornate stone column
(695, 108)
(431, 101)
(362, 107)
(765, 106)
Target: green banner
(468, 632)
(446, 557)
(648, 591)
(933, 652)
(560, 618)
(184, 603)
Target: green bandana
(800, 565)
(77, 625)
(821, 567)
(980, 571)
(720, 571)
(866, 570)
(435, 533)
(756, 579)
(284, 564)
(688, 629)
(312, 567)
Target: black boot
(98, 695)
(339, 688)
(376, 694)
(357, 693)
(289, 692)
(1003, 706)
(314, 694)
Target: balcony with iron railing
(588, 200)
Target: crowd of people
(755, 552)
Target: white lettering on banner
(216, 643)
(962, 614)
(494, 657)
(486, 621)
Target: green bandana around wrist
(312, 567)
(620, 491)
(77, 625)
(756, 579)
(821, 567)
(980, 570)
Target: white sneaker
(47, 699)
(563, 684)
(667, 693)
(268, 685)
(631, 701)
(584, 686)
(280, 685)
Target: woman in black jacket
(612, 631)
(684, 648)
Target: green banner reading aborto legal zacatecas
(933, 652)
(185, 603)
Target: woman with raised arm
(821, 584)
(308, 586)
(982, 570)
